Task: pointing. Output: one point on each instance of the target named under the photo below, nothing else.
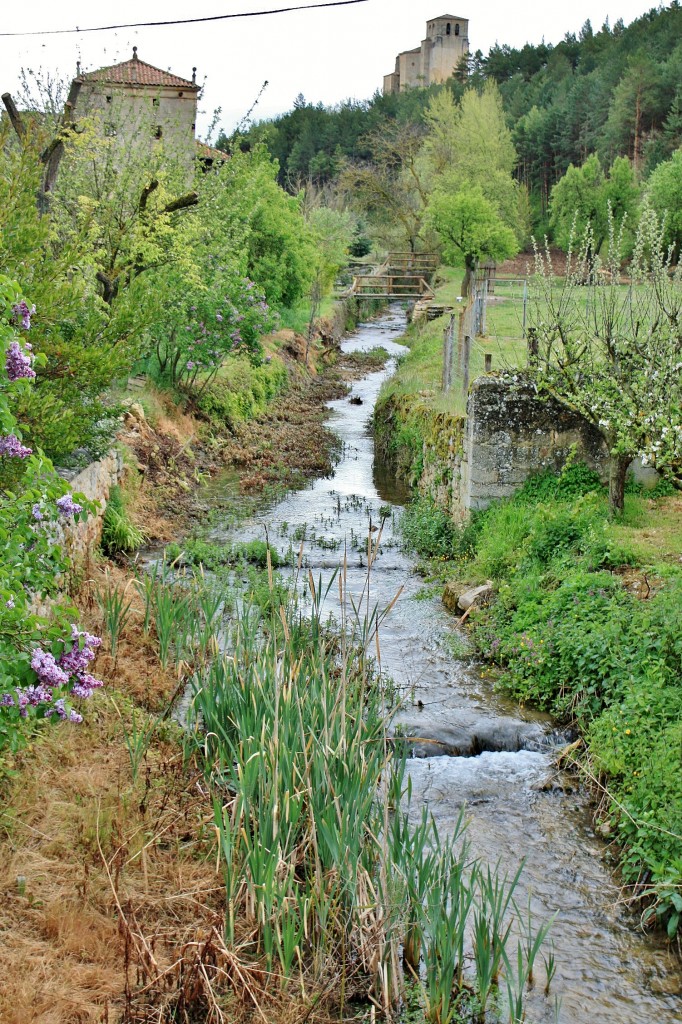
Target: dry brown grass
(100, 869)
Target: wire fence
(488, 332)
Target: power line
(183, 21)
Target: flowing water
(471, 746)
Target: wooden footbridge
(404, 275)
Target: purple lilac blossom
(6, 700)
(36, 695)
(17, 363)
(68, 507)
(9, 603)
(47, 669)
(20, 309)
(11, 446)
(36, 512)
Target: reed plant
(115, 612)
(326, 874)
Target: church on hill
(447, 41)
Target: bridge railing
(396, 286)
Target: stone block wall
(95, 482)
(511, 434)
(508, 435)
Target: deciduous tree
(614, 352)
(470, 229)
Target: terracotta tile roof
(207, 152)
(138, 72)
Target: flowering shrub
(40, 672)
(58, 680)
(225, 316)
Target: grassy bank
(412, 409)
(585, 624)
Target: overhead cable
(181, 21)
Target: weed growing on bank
(586, 624)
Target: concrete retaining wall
(508, 435)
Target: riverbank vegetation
(585, 624)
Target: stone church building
(447, 41)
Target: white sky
(328, 55)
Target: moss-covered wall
(508, 434)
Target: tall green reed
(325, 872)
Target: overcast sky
(328, 55)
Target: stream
(471, 746)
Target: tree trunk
(469, 271)
(618, 467)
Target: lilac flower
(75, 717)
(47, 669)
(36, 695)
(20, 309)
(190, 365)
(88, 638)
(9, 603)
(11, 446)
(6, 700)
(60, 708)
(68, 507)
(17, 363)
(36, 512)
(219, 317)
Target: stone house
(143, 106)
(447, 41)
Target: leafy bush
(42, 668)
(576, 642)
(119, 533)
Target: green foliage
(241, 391)
(585, 196)
(664, 190)
(119, 533)
(214, 555)
(470, 227)
(577, 642)
(432, 533)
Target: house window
(456, 30)
(158, 132)
(156, 101)
(447, 29)
(110, 130)
(109, 99)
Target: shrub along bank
(585, 624)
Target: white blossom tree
(611, 347)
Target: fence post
(488, 362)
(466, 352)
(525, 303)
(532, 341)
(484, 306)
(448, 352)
